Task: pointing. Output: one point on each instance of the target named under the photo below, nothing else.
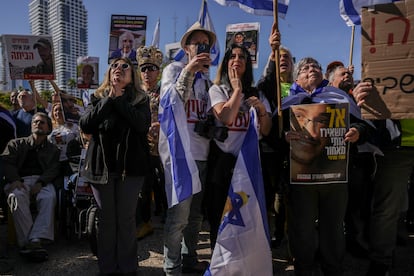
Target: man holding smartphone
(189, 84)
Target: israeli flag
(258, 7)
(181, 173)
(206, 22)
(86, 98)
(350, 10)
(156, 36)
(243, 241)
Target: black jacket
(118, 145)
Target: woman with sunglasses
(149, 60)
(118, 118)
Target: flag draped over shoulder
(156, 35)
(181, 174)
(205, 22)
(243, 241)
(322, 94)
(258, 7)
(350, 10)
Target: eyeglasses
(127, 40)
(124, 66)
(307, 67)
(35, 122)
(150, 68)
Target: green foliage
(5, 100)
(5, 97)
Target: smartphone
(203, 48)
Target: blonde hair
(135, 86)
(55, 123)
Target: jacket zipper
(126, 150)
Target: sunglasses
(150, 68)
(124, 66)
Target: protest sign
(29, 57)
(87, 70)
(388, 58)
(247, 35)
(319, 154)
(127, 34)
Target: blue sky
(311, 28)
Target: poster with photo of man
(247, 35)
(29, 57)
(87, 70)
(318, 152)
(126, 35)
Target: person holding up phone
(185, 88)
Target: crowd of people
(135, 120)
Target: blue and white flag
(350, 10)
(181, 173)
(258, 7)
(243, 241)
(86, 98)
(156, 35)
(7, 117)
(206, 22)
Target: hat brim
(149, 63)
(197, 27)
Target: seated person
(31, 164)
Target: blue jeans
(389, 195)
(181, 229)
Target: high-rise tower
(67, 22)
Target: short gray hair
(299, 65)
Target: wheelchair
(78, 208)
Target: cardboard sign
(388, 59)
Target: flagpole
(277, 72)
(351, 48)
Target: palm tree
(72, 83)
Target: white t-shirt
(195, 106)
(67, 132)
(237, 130)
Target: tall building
(67, 22)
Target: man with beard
(31, 164)
(44, 48)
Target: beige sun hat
(197, 27)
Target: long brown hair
(222, 75)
